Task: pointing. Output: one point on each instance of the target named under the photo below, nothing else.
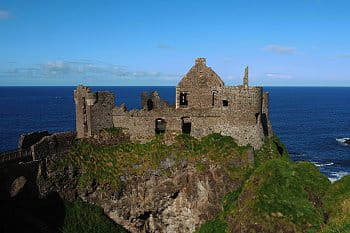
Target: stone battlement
(203, 105)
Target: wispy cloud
(84, 69)
(278, 75)
(164, 46)
(4, 14)
(228, 59)
(278, 49)
(344, 55)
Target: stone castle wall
(141, 124)
(245, 102)
(204, 105)
(93, 111)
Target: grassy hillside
(276, 195)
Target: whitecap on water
(334, 176)
(318, 164)
(342, 140)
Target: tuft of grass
(337, 206)
(82, 217)
(116, 131)
(217, 225)
(273, 148)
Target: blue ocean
(311, 121)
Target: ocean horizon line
(316, 86)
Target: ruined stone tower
(93, 111)
(203, 105)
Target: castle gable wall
(199, 85)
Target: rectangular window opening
(225, 103)
(183, 99)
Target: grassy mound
(337, 206)
(87, 218)
(105, 164)
(281, 196)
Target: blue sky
(285, 43)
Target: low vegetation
(337, 206)
(276, 195)
(105, 164)
(81, 217)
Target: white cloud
(4, 14)
(84, 69)
(164, 46)
(278, 75)
(228, 59)
(344, 55)
(280, 49)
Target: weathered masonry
(203, 105)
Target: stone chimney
(200, 61)
(245, 79)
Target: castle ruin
(203, 105)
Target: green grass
(276, 194)
(281, 194)
(217, 225)
(116, 131)
(105, 164)
(82, 217)
(337, 206)
(271, 149)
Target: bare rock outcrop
(179, 201)
(175, 197)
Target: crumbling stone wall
(204, 105)
(152, 101)
(27, 140)
(93, 111)
(141, 124)
(265, 118)
(53, 145)
(244, 102)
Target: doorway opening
(186, 125)
(149, 105)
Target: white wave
(318, 164)
(337, 175)
(342, 140)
